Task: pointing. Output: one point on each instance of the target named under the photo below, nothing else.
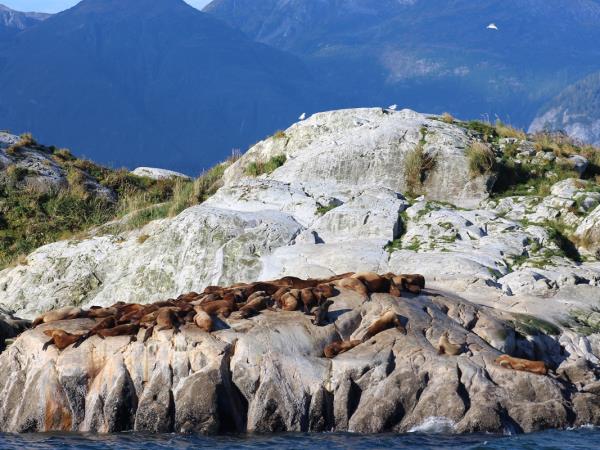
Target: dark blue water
(583, 439)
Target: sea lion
(387, 320)
(335, 348)
(321, 313)
(309, 299)
(128, 329)
(203, 320)
(278, 294)
(411, 283)
(445, 347)
(373, 281)
(525, 365)
(289, 301)
(295, 283)
(353, 284)
(254, 305)
(167, 319)
(219, 307)
(96, 312)
(218, 290)
(60, 338)
(66, 313)
(325, 291)
(107, 322)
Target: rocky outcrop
(268, 374)
(26, 165)
(336, 152)
(158, 174)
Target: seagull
(302, 116)
(492, 26)
(393, 107)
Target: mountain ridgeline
(152, 81)
(157, 82)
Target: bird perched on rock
(302, 116)
(393, 107)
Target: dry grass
(416, 167)
(507, 131)
(447, 118)
(481, 159)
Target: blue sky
(53, 6)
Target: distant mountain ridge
(11, 21)
(152, 81)
(433, 55)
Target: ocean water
(584, 439)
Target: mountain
(147, 81)
(11, 22)
(433, 55)
(575, 111)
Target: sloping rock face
(32, 167)
(268, 374)
(351, 215)
(335, 152)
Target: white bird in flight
(393, 107)
(302, 116)
(492, 26)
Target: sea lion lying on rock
(321, 313)
(203, 320)
(60, 338)
(336, 348)
(387, 320)
(375, 283)
(525, 365)
(445, 347)
(66, 313)
(353, 284)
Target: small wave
(434, 425)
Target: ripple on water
(580, 439)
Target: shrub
(447, 118)
(322, 210)
(25, 140)
(257, 168)
(481, 159)
(280, 134)
(416, 167)
(142, 238)
(63, 154)
(507, 131)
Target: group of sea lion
(244, 300)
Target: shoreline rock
(268, 374)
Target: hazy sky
(53, 6)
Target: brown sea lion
(412, 283)
(219, 307)
(321, 313)
(218, 290)
(373, 281)
(525, 365)
(60, 338)
(290, 300)
(353, 284)
(387, 320)
(66, 313)
(107, 322)
(257, 303)
(295, 283)
(203, 320)
(445, 347)
(189, 297)
(309, 299)
(336, 348)
(96, 312)
(168, 319)
(129, 329)
(325, 291)
(337, 277)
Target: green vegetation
(256, 168)
(31, 216)
(584, 322)
(26, 140)
(481, 159)
(322, 210)
(532, 326)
